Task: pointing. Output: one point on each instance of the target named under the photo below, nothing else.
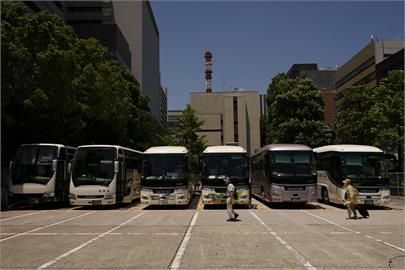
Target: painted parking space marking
(359, 233)
(26, 215)
(180, 252)
(46, 226)
(117, 233)
(296, 253)
(66, 254)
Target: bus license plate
(368, 202)
(163, 202)
(295, 199)
(96, 202)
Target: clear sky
(251, 42)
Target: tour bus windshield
(288, 163)
(168, 167)
(233, 165)
(364, 165)
(93, 166)
(33, 164)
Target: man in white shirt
(229, 200)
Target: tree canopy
(374, 116)
(295, 112)
(187, 135)
(59, 88)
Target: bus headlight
(386, 197)
(72, 196)
(109, 196)
(48, 195)
(181, 196)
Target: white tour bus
(38, 173)
(221, 161)
(364, 165)
(165, 178)
(284, 173)
(105, 175)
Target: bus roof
(46, 144)
(108, 146)
(224, 149)
(166, 150)
(347, 148)
(284, 147)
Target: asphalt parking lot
(313, 236)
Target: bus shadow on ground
(290, 205)
(41, 206)
(223, 206)
(122, 206)
(368, 207)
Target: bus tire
(325, 195)
(4, 199)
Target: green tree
(295, 112)
(374, 116)
(386, 115)
(187, 136)
(59, 88)
(352, 122)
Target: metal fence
(397, 183)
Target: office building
(173, 119)
(163, 106)
(229, 117)
(56, 7)
(324, 79)
(393, 62)
(263, 105)
(361, 69)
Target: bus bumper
(178, 197)
(84, 202)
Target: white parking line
(359, 233)
(45, 265)
(26, 215)
(46, 226)
(298, 255)
(180, 252)
(115, 233)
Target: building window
(235, 119)
(84, 9)
(355, 72)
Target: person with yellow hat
(350, 198)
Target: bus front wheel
(325, 195)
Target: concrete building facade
(324, 78)
(361, 69)
(229, 117)
(393, 62)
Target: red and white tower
(208, 71)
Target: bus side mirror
(54, 164)
(116, 166)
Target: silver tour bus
(284, 173)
